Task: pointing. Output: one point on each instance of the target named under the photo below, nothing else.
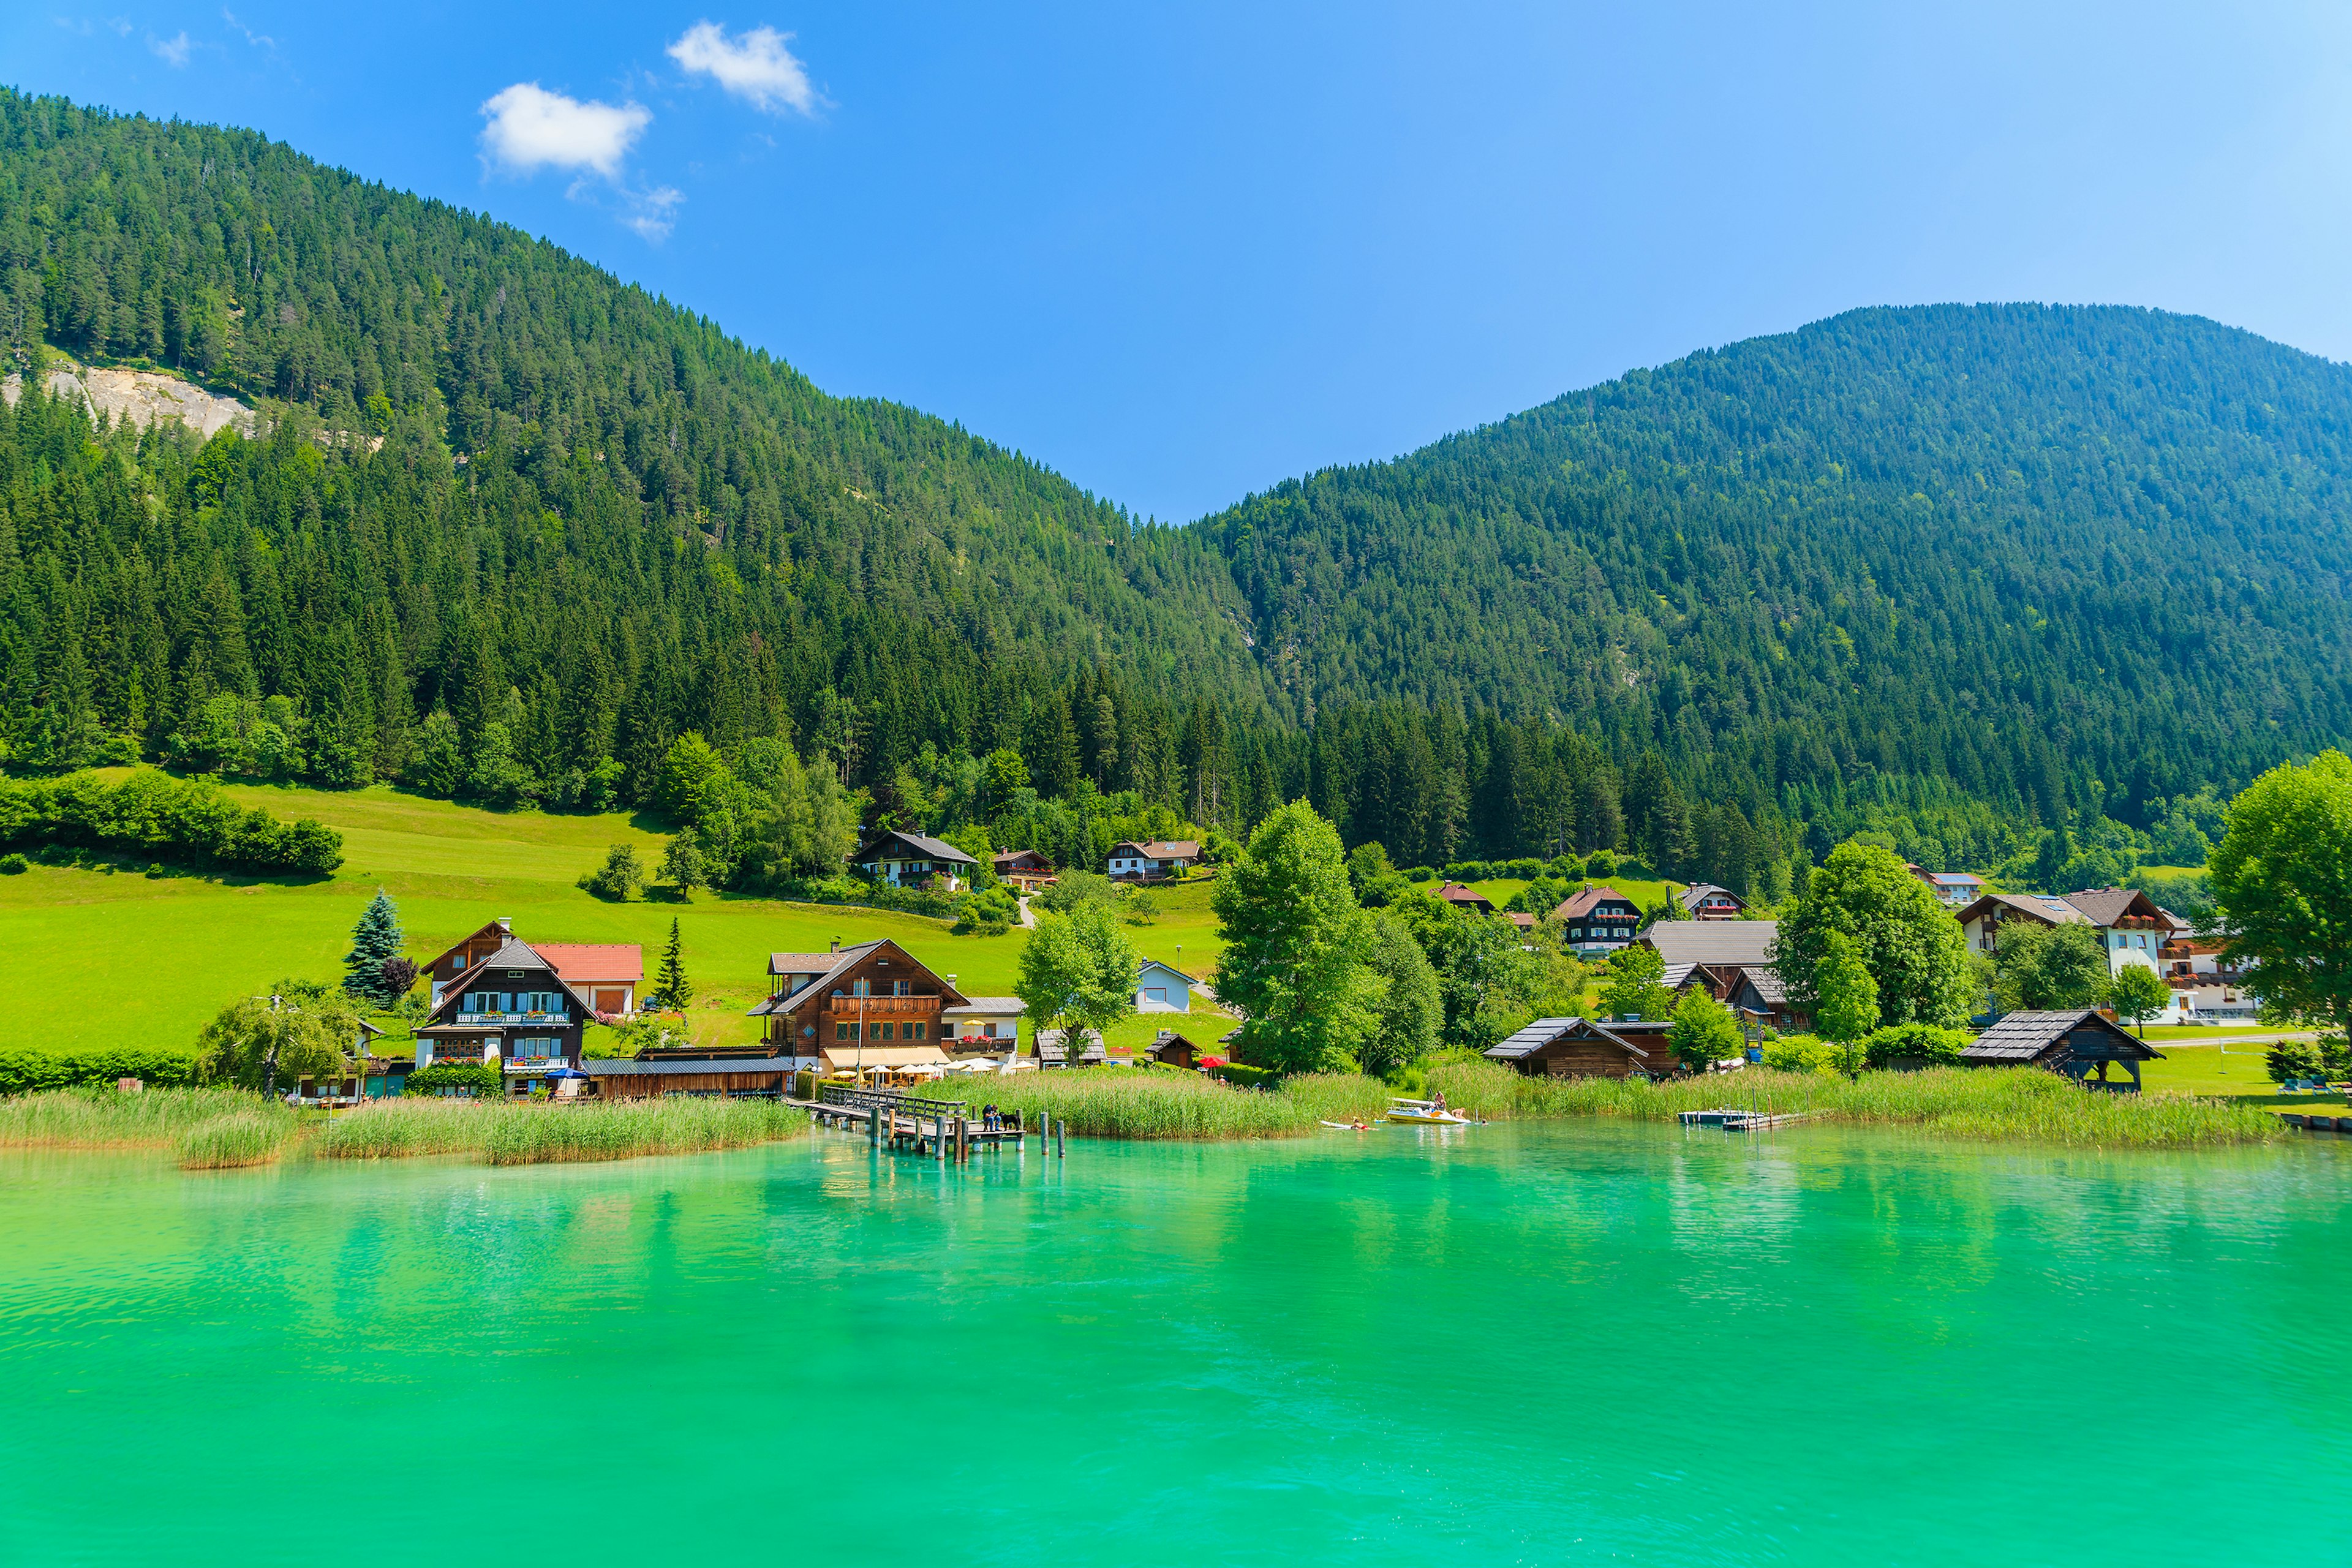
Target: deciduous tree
(1297, 947)
(2283, 882)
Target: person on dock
(988, 1117)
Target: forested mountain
(1991, 580)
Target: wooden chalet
(872, 1005)
(911, 859)
(468, 952)
(1580, 1047)
(1705, 901)
(2079, 1043)
(1469, 901)
(1171, 1050)
(510, 1007)
(1023, 868)
(1597, 922)
(1752, 990)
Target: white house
(986, 1021)
(910, 859)
(1160, 858)
(1159, 989)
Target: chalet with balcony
(1705, 901)
(469, 951)
(982, 1024)
(867, 1006)
(1953, 890)
(1597, 922)
(911, 859)
(510, 1007)
(1151, 862)
(1024, 868)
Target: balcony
(553, 1018)
(879, 1008)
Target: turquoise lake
(1529, 1345)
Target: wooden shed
(1580, 1047)
(1173, 1049)
(719, 1073)
(2079, 1043)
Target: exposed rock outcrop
(142, 397)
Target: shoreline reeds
(96, 1117)
(249, 1136)
(505, 1135)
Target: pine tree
(673, 990)
(376, 938)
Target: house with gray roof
(2079, 1043)
(509, 1006)
(911, 859)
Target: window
(1155, 993)
(862, 988)
(845, 1031)
(914, 1031)
(883, 1031)
(902, 988)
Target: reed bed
(1138, 1103)
(538, 1135)
(544, 1134)
(97, 1117)
(402, 1129)
(250, 1136)
(2023, 1103)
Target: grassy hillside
(126, 959)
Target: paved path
(1028, 919)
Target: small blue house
(1159, 989)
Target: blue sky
(1181, 254)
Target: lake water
(1500, 1345)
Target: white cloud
(531, 128)
(654, 214)
(175, 51)
(258, 40)
(754, 65)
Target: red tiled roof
(1580, 904)
(584, 961)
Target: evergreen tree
(375, 938)
(672, 989)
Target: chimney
(837, 944)
(506, 924)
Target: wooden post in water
(1061, 1132)
(939, 1135)
(873, 1126)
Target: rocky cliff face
(140, 396)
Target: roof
(1955, 879)
(605, 1066)
(2105, 906)
(1049, 1045)
(1677, 975)
(2047, 907)
(1150, 963)
(989, 1007)
(1580, 904)
(1765, 982)
(876, 1055)
(512, 953)
(825, 966)
(498, 927)
(1544, 1031)
(930, 848)
(1455, 893)
(1729, 943)
(2028, 1036)
(1698, 893)
(1523, 920)
(587, 961)
(1173, 849)
(1004, 857)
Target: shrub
(26, 1070)
(457, 1077)
(152, 812)
(13, 865)
(1247, 1076)
(1914, 1043)
(991, 912)
(1803, 1054)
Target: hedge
(1246, 1077)
(24, 1071)
(157, 815)
(482, 1077)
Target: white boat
(1426, 1112)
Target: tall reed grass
(540, 1134)
(412, 1125)
(107, 1119)
(1959, 1102)
(1130, 1102)
(250, 1136)
(536, 1135)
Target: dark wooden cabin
(1172, 1049)
(2079, 1043)
(1579, 1047)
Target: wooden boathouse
(2079, 1043)
(1580, 1047)
(718, 1072)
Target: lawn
(2235, 1071)
(119, 958)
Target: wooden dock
(943, 1130)
(1732, 1119)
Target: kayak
(1349, 1126)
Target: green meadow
(105, 954)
